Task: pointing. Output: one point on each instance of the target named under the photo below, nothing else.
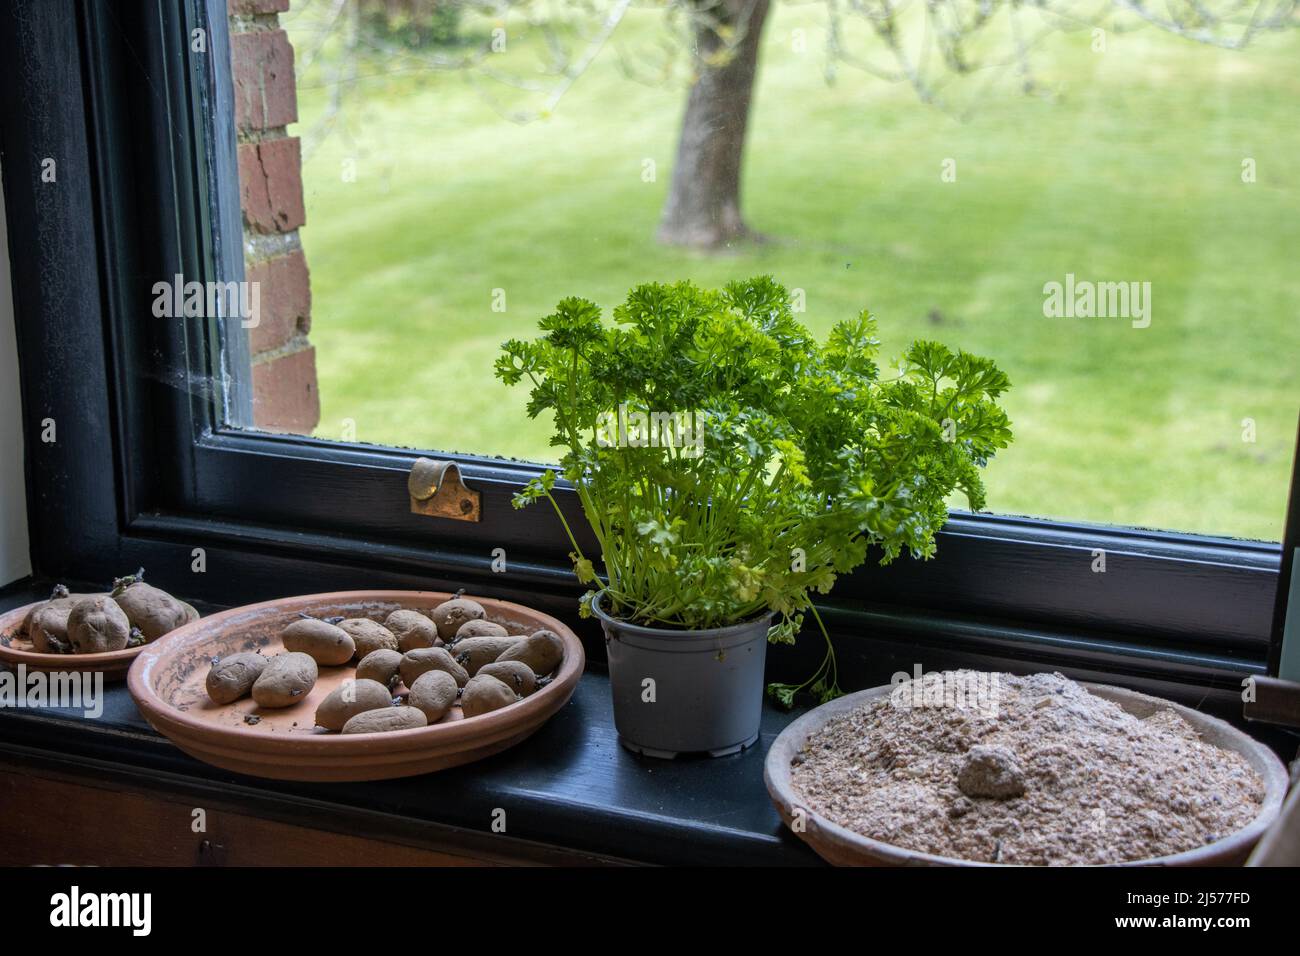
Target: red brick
(284, 295)
(285, 398)
(253, 7)
(270, 185)
(261, 62)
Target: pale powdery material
(1051, 775)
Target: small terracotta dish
(16, 649)
(168, 684)
(844, 847)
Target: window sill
(569, 786)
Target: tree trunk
(703, 205)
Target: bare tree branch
(926, 44)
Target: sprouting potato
(350, 698)
(542, 651)
(381, 665)
(232, 677)
(416, 662)
(152, 610)
(286, 680)
(480, 627)
(60, 597)
(369, 635)
(382, 721)
(450, 615)
(46, 624)
(473, 652)
(327, 643)
(96, 625)
(484, 694)
(433, 693)
(412, 629)
(516, 675)
(47, 629)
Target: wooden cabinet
(95, 818)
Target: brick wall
(285, 396)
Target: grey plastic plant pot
(680, 691)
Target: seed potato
(484, 694)
(382, 721)
(151, 609)
(369, 635)
(286, 680)
(542, 651)
(47, 629)
(473, 652)
(327, 643)
(46, 625)
(479, 627)
(434, 693)
(59, 596)
(381, 665)
(232, 677)
(450, 615)
(350, 698)
(516, 675)
(96, 625)
(417, 662)
(412, 629)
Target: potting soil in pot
(1033, 770)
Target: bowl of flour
(976, 768)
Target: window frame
(146, 139)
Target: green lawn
(1131, 171)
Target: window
(1115, 237)
(149, 146)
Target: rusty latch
(437, 490)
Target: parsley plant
(808, 457)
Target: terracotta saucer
(17, 649)
(844, 847)
(167, 682)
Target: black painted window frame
(145, 470)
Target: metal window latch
(437, 490)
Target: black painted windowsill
(571, 785)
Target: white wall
(15, 556)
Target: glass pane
(1113, 219)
